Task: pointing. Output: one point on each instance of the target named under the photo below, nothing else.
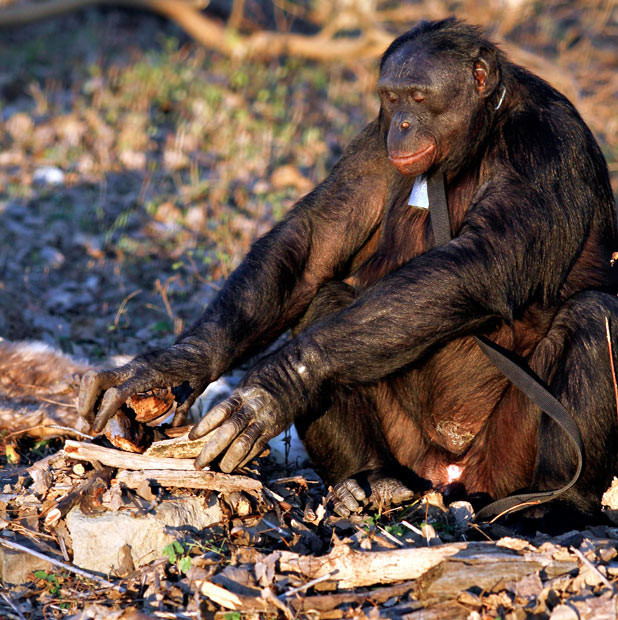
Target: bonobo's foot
(349, 496)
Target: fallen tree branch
(120, 459)
(214, 35)
(362, 568)
(210, 480)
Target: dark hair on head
(448, 35)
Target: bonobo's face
(428, 103)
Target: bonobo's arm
(503, 259)
(269, 290)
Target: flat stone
(100, 542)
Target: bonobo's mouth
(414, 163)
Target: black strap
(517, 371)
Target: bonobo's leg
(574, 360)
(344, 436)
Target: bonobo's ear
(486, 72)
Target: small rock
(48, 175)
(98, 541)
(564, 612)
(462, 512)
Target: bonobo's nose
(404, 125)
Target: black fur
(384, 376)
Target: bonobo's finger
(180, 416)
(216, 416)
(114, 397)
(343, 501)
(222, 437)
(257, 449)
(241, 446)
(402, 494)
(389, 491)
(91, 386)
(352, 485)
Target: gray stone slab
(99, 541)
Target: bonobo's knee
(331, 298)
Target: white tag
(418, 195)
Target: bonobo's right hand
(179, 367)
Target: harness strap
(516, 371)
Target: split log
(193, 479)
(353, 569)
(123, 460)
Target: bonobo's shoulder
(368, 148)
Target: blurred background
(144, 145)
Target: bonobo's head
(439, 84)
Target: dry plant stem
(73, 569)
(592, 567)
(125, 301)
(611, 361)
(65, 429)
(210, 480)
(122, 460)
(12, 605)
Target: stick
(592, 567)
(120, 459)
(611, 361)
(211, 480)
(12, 605)
(73, 569)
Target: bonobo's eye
(418, 97)
(392, 97)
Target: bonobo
(382, 376)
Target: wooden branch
(211, 480)
(213, 35)
(353, 569)
(120, 459)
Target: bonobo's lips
(416, 163)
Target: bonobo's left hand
(248, 419)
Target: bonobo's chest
(405, 232)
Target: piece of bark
(192, 479)
(62, 507)
(487, 572)
(178, 447)
(124, 435)
(151, 405)
(123, 460)
(326, 602)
